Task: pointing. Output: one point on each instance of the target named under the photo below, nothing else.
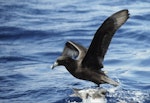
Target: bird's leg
(98, 85)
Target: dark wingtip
(120, 17)
(127, 11)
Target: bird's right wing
(102, 39)
(74, 50)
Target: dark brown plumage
(88, 62)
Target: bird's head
(62, 60)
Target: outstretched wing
(74, 50)
(99, 45)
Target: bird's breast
(83, 74)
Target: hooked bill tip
(54, 65)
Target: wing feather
(102, 39)
(74, 50)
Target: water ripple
(32, 36)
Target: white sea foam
(90, 95)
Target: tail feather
(110, 81)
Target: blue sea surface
(34, 32)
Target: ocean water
(33, 34)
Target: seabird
(87, 64)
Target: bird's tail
(110, 81)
